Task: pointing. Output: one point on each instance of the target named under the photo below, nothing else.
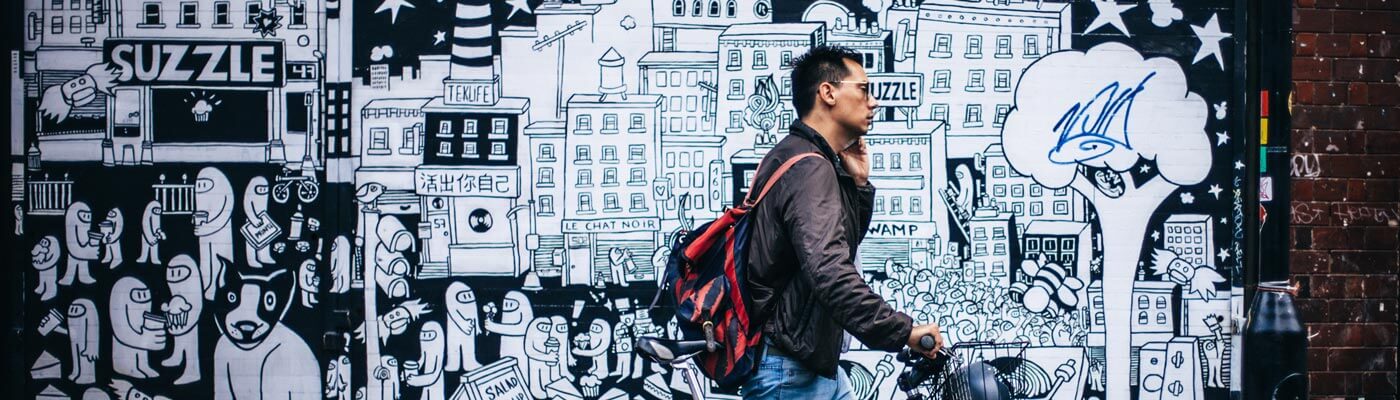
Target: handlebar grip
(927, 342)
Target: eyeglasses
(864, 86)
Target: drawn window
(714, 8)
(609, 153)
(691, 78)
(57, 24)
(1161, 302)
(1036, 191)
(942, 81)
(678, 8)
(760, 59)
(942, 46)
(639, 203)
(546, 177)
(1037, 209)
(1067, 244)
(1018, 209)
(940, 112)
(610, 177)
(1061, 207)
(1161, 318)
(1002, 110)
(1142, 318)
(974, 80)
(469, 150)
(661, 79)
(731, 9)
(444, 149)
(638, 122)
(735, 119)
(547, 152)
(637, 177)
(583, 124)
(498, 127)
(894, 162)
(609, 123)
(298, 14)
(1003, 46)
(254, 8)
(636, 153)
(152, 16)
(695, 8)
(409, 144)
(585, 178)
(1143, 302)
(979, 233)
(974, 46)
(221, 14)
(973, 117)
(998, 233)
(787, 61)
(189, 14)
(379, 141)
(1003, 80)
(581, 154)
(999, 190)
(57, 4)
(999, 171)
(585, 203)
(610, 202)
(735, 60)
(1032, 46)
(691, 103)
(736, 89)
(546, 205)
(75, 24)
(498, 148)
(999, 249)
(879, 207)
(675, 78)
(786, 90)
(916, 206)
(896, 205)
(877, 162)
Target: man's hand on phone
(919, 332)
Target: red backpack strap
(774, 179)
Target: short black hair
(825, 63)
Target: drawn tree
(763, 108)
(1087, 120)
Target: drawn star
(439, 37)
(1215, 190)
(393, 7)
(1156, 235)
(1110, 13)
(1222, 138)
(1224, 255)
(1222, 220)
(518, 5)
(1210, 37)
(1145, 169)
(1187, 198)
(267, 22)
(1239, 164)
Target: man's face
(854, 108)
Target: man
(803, 277)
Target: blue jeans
(781, 378)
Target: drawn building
(902, 20)
(868, 38)
(65, 38)
(1190, 236)
(909, 225)
(692, 167)
(1066, 243)
(695, 25)
(337, 119)
(972, 54)
(470, 177)
(1023, 197)
(547, 155)
(609, 170)
(991, 245)
(686, 83)
(1153, 312)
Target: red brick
(1365, 21)
(1305, 44)
(1334, 44)
(1383, 46)
(1343, 166)
(1366, 69)
(1382, 287)
(1378, 383)
(1309, 262)
(1371, 359)
(1302, 188)
(1326, 382)
(1317, 358)
(1301, 238)
(1307, 3)
(1380, 117)
(1304, 92)
(1309, 20)
(1329, 190)
(1330, 141)
(1383, 93)
(1330, 93)
(1357, 93)
(1312, 68)
(1383, 5)
(1312, 117)
(1345, 310)
(1358, 45)
(1329, 238)
(1382, 310)
(1363, 262)
(1383, 141)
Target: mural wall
(469, 199)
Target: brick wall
(1346, 191)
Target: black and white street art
(472, 199)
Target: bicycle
(307, 187)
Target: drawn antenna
(548, 40)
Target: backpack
(705, 276)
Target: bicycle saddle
(666, 351)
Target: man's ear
(826, 93)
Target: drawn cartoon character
(116, 222)
(464, 320)
(82, 247)
(45, 257)
(151, 233)
(136, 330)
(84, 338)
(257, 357)
(429, 373)
(183, 310)
(213, 205)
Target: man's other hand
(926, 330)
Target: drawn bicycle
(306, 187)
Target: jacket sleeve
(813, 214)
(865, 200)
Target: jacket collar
(802, 130)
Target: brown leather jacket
(802, 275)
